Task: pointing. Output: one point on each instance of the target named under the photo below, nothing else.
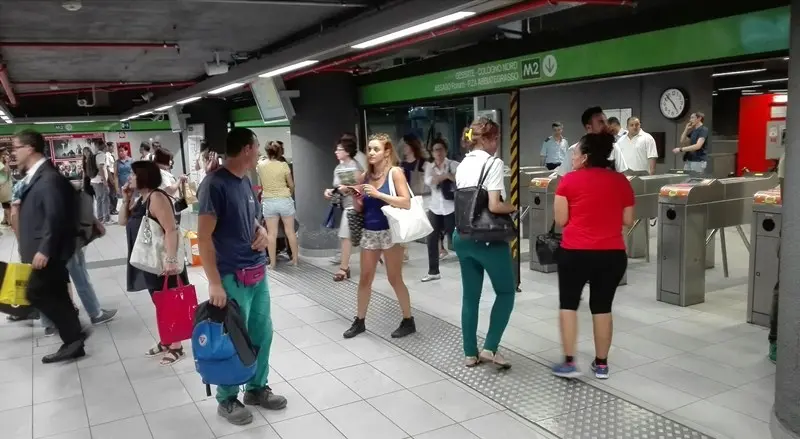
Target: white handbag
(406, 225)
(149, 249)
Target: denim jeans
(102, 203)
(695, 166)
(80, 278)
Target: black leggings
(602, 269)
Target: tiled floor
(702, 366)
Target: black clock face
(673, 103)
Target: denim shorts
(280, 207)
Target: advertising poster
(67, 150)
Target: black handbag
(473, 218)
(448, 188)
(548, 246)
(355, 221)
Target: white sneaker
(430, 277)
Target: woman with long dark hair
(592, 204)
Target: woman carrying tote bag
(483, 228)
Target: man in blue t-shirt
(695, 140)
(232, 247)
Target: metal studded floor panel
(568, 409)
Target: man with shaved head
(638, 148)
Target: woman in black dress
(145, 179)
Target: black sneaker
(106, 315)
(265, 398)
(407, 327)
(356, 328)
(235, 412)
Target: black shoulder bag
(448, 187)
(547, 246)
(473, 218)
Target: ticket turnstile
(687, 212)
(542, 196)
(646, 189)
(764, 243)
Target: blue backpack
(224, 355)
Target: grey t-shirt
(343, 171)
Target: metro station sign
(725, 38)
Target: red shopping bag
(175, 312)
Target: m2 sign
(532, 68)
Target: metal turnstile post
(637, 237)
(681, 250)
(765, 235)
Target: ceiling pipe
(6, 84)
(337, 4)
(461, 26)
(86, 45)
(101, 83)
(105, 89)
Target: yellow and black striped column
(514, 165)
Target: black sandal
(342, 274)
(156, 350)
(172, 356)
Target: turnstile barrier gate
(765, 233)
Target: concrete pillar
(786, 413)
(213, 113)
(326, 108)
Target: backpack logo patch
(202, 340)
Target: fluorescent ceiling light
(288, 69)
(164, 108)
(743, 87)
(767, 81)
(143, 114)
(751, 93)
(714, 94)
(786, 58)
(62, 121)
(225, 88)
(187, 100)
(738, 72)
(779, 90)
(2, 114)
(414, 30)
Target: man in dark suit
(48, 226)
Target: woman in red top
(592, 204)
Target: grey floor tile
(17, 423)
(725, 421)
(681, 379)
(304, 336)
(184, 421)
(60, 416)
(15, 394)
(406, 371)
(264, 432)
(500, 426)
(361, 421)
(332, 356)
(366, 381)
(193, 384)
(314, 314)
(219, 426)
(451, 432)
(662, 396)
(293, 301)
(119, 402)
(56, 382)
(453, 401)
(745, 403)
(15, 369)
(161, 393)
(369, 348)
(410, 412)
(324, 391)
(309, 426)
(142, 368)
(296, 405)
(130, 428)
(294, 364)
(83, 433)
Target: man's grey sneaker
(235, 412)
(106, 315)
(265, 398)
(50, 331)
(430, 277)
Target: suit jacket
(48, 216)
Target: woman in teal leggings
(477, 257)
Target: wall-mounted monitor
(177, 121)
(272, 101)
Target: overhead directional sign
(725, 38)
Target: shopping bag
(407, 225)
(175, 309)
(14, 282)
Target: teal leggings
(495, 259)
(254, 303)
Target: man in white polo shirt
(594, 121)
(638, 148)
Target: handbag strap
(166, 282)
(485, 171)
(392, 190)
(552, 228)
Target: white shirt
(100, 160)
(469, 172)
(616, 155)
(638, 150)
(110, 163)
(438, 204)
(32, 171)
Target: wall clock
(674, 103)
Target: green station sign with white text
(741, 35)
